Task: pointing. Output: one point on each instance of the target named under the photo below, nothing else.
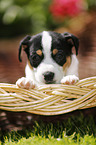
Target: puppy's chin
(50, 82)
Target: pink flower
(66, 8)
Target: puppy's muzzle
(48, 77)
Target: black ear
(25, 43)
(73, 40)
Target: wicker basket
(51, 99)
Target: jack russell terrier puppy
(50, 59)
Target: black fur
(34, 58)
(63, 42)
(24, 42)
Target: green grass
(73, 131)
(38, 140)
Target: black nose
(48, 76)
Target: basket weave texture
(53, 99)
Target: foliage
(22, 16)
(91, 4)
(34, 140)
(32, 16)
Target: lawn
(76, 130)
(34, 140)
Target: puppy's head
(48, 54)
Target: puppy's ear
(72, 40)
(25, 43)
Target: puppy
(50, 59)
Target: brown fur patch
(67, 64)
(24, 46)
(39, 52)
(55, 51)
(29, 65)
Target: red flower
(64, 8)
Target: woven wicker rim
(53, 99)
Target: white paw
(69, 80)
(25, 83)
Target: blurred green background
(24, 16)
(19, 17)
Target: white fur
(35, 75)
(73, 68)
(48, 64)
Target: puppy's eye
(55, 51)
(59, 57)
(39, 52)
(35, 59)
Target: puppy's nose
(48, 76)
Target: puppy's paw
(25, 83)
(69, 80)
